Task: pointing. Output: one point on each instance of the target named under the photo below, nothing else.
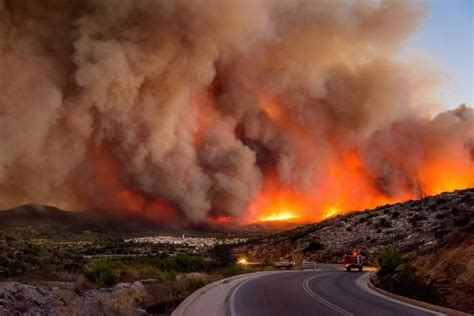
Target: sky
(445, 36)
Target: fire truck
(353, 260)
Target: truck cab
(353, 261)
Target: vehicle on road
(353, 261)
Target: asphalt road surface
(312, 293)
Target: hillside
(52, 221)
(436, 233)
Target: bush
(395, 215)
(463, 221)
(179, 263)
(416, 218)
(384, 223)
(455, 210)
(169, 276)
(101, 272)
(440, 233)
(194, 284)
(440, 201)
(389, 259)
(407, 283)
(314, 246)
(233, 270)
(297, 235)
(223, 255)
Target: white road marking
(321, 299)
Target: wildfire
(348, 187)
(332, 211)
(281, 216)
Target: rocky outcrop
(17, 298)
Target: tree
(223, 255)
(389, 260)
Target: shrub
(384, 223)
(101, 272)
(463, 221)
(440, 201)
(233, 270)
(455, 210)
(297, 235)
(440, 233)
(389, 259)
(408, 283)
(314, 246)
(169, 276)
(223, 255)
(194, 284)
(395, 215)
(416, 218)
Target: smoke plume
(195, 109)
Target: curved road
(325, 293)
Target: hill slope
(51, 221)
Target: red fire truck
(353, 260)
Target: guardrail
(308, 265)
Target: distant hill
(50, 220)
(436, 232)
(29, 215)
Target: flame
(280, 216)
(275, 203)
(331, 211)
(348, 186)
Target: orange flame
(348, 187)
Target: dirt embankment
(451, 271)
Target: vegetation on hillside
(398, 275)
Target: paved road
(325, 293)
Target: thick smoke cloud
(195, 102)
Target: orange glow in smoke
(444, 175)
(114, 194)
(340, 185)
(348, 187)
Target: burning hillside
(220, 111)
